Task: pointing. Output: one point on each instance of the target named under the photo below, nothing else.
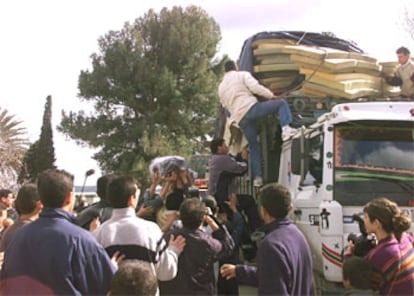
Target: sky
(46, 43)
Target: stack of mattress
(321, 71)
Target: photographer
(392, 258)
(175, 190)
(196, 263)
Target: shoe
(258, 182)
(287, 132)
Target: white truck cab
(355, 153)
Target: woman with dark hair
(393, 257)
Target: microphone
(90, 172)
(87, 174)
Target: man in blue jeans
(237, 93)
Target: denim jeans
(248, 127)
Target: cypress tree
(41, 154)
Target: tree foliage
(153, 86)
(41, 154)
(13, 146)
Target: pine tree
(153, 85)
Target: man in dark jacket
(195, 264)
(221, 163)
(53, 254)
(284, 262)
(101, 209)
(223, 168)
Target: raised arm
(256, 88)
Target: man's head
(403, 54)
(276, 202)
(134, 277)
(27, 201)
(192, 212)
(357, 273)
(6, 198)
(230, 66)
(102, 185)
(218, 146)
(55, 188)
(122, 192)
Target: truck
(348, 150)
(349, 156)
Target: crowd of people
(170, 240)
(50, 250)
(120, 245)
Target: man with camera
(196, 262)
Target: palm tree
(13, 146)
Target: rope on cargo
(325, 53)
(320, 64)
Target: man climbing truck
(355, 138)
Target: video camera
(364, 242)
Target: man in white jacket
(405, 71)
(136, 238)
(237, 93)
(404, 75)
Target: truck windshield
(374, 159)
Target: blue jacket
(284, 262)
(58, 254)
